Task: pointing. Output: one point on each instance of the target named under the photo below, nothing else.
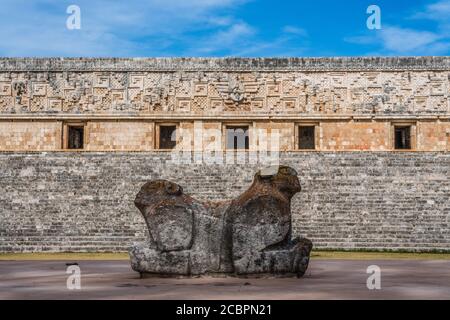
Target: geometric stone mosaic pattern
(326, 86)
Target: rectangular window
(75, 135)
(306, 137)
(167, 136)
(237, 137)
(402, 137)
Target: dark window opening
(167, 137)
(402, 137)
(76, 137)
(306, 137)
(237, 138)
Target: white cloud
(111, 28)
(396, 40)
(402, 40)
(227, 39)
(233, 34)
(439, 12)
(295, 30)
(139, 28)
(241, 39)
(435, 11)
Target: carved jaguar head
(155, 191)
(283, 178)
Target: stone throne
(249, 235)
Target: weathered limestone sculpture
(246, 236)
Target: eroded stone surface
(248, 235)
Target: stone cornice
(225, 64)
(175, 117)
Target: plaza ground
(330, 276)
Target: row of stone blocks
(351, 200)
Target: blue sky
(248, 28)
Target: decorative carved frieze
(366, 86)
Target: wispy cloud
(435, 11)
(295, 30)
(396, 40)
(137, 28)
(233, 36)
(401, 40)
(439, 12)
(117, 28)
(241, 39)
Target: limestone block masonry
(353, 101)
(64, 201)
(378, 177)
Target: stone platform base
(291, 260)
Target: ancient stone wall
(354, 101)
(218, 87)
(140, 135)
(83, 201)
(359, 192)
